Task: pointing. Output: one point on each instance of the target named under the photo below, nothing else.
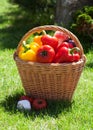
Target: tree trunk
(66, 8)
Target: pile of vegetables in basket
(44, 48)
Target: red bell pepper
(49, 40)
(63, 44)
(61, 36)
(65, 54)
(74, 54)
(61, 55)
(45, 54)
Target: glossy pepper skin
(68, 44)
(65, 54)
(49, 40)
(73, 55)
(64, 44)
(37, 39)
(61, 55)
(27, 52)
(61, 36)
(45, 54)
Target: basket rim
(16, 58)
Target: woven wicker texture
(49, 80)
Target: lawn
(77, 115)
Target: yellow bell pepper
(34, 46)
(28, 52)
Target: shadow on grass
(89, 65)
(18, 20)
(10, 102)
(53, 109)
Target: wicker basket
(54, 81)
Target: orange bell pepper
(37, 39)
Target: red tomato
(39, 104)
(26, 98)
(49, 40)
(45, 54)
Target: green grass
(77, 115)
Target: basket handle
(52, 28)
